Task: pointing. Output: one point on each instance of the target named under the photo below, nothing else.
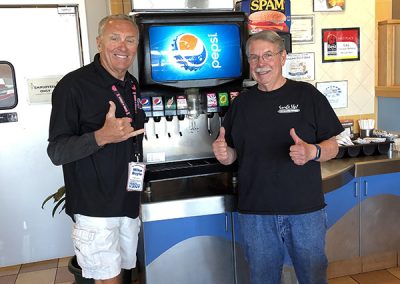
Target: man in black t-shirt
(279, 131)
(95, 133)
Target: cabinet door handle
(356, 188)
(365, 188)
(226, 222)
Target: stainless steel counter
(214, 194)
(338, 172)
(188, 197)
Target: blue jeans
(266, 236)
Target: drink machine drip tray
(182, 169)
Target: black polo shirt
(258, 126)
(95, 177)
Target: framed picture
(302, 29)
(329, 5)
(300, 66)
(341, 44)
(335, 92)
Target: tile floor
(42, 272)
(56, 272)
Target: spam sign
(267, 15)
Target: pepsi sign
(195, 52)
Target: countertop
(338, 172)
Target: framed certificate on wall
(302, 29)
(335, 92)
(341, 44)
(300, 66)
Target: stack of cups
(366, 127)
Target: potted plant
(59, 200)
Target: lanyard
(122, 101)
(128, 113)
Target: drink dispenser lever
(170, 111)
(181, 109)
(146, 106)
(223, 103)
(212, 107)
(158, 112)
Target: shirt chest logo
(289, 108)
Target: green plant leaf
(58, 205)
(58, 198)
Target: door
(42, 42)
(380, 211)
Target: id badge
(136, 172)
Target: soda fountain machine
(191, 65)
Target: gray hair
(106, 19)
(269, 36)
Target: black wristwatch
(318, 155)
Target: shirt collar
(108, 79)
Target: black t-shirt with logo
(95, 178)
(257, 125)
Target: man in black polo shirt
(279, 131)
(96, 129)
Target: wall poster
(335, 92)
(341, 44)
(300, 66)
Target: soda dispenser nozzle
(158, 112)
(181, 109)
(212, 107)
(170, 112)
(146, 106)
(146, 120)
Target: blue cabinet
(188, 250)
(379, 214)
(363, 217)
(342, 239)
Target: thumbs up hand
(224, 154)
(301, 152)
(115, 129)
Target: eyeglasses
(254, 59)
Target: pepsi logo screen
(195, 52)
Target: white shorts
(104, 246)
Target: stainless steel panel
(188, 139)
(186, 208)
(337, 172)
(342, 239)
(379, 224)
(197, 260)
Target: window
(8, 87)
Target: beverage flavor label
(170, 105)
(158, 106)
(212, 103)
(181, 105)
(233, 95)
(223, 100)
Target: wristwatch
(318, 155)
